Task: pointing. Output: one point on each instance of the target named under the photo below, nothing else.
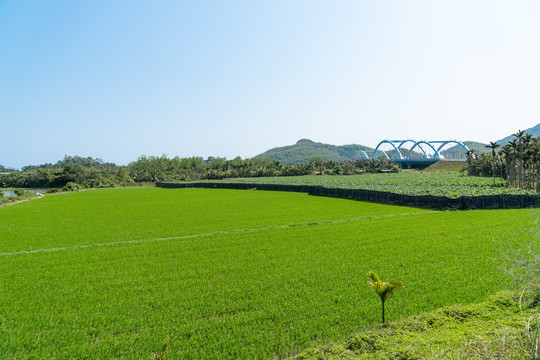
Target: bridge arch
(365, 154)
(403, 142)
(444, 143)
(430, 149)
(417, 144)
(384, 152)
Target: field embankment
(499, 328)
(443, 166)
(228, 274)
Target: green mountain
(478, 147)
(305, 149)
(534, 131)
(481, 148)
(456, 152)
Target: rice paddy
(226, 274)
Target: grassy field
(457, 167)
(410, 183)
(494, 329)
(228, 274)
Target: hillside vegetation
(534, 131)
(89, 173)
(456, 151)
(305, 149)
(517, 162)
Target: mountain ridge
(305, 149)
(534, 131)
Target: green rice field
(229, 274)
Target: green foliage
(305, 149)
(450, 185)
(456, 151)
(16, 195)
(73, 160)
(87, 172)
(5, 169)
(90, 173)
(493, 329)
(72, 186)
(456, 167)
(522, 264)
(53, 191)
(316, 163)
(224, 273)
(383, 289)
(518, 162)
(220, 168)
(181, 169)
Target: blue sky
(119, 79)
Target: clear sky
(119, 79)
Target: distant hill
(454, 152)
(305, 149)
(478, 147)
(534, 131)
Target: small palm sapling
(383, 289)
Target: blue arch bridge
(417, 154)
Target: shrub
(71, 186)
(19, 192)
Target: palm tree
(493, 145)
(526, 155)
(514, 147)
(535, 149)
(348, 167)
(383, 289)
(519, 134)
(470, 157)
(520, 137)
(506, 155)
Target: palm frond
(383, 289)
(373, 275)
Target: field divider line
(211, 234)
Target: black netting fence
(380, 197)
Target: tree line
(75, 172)
(518, 162)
